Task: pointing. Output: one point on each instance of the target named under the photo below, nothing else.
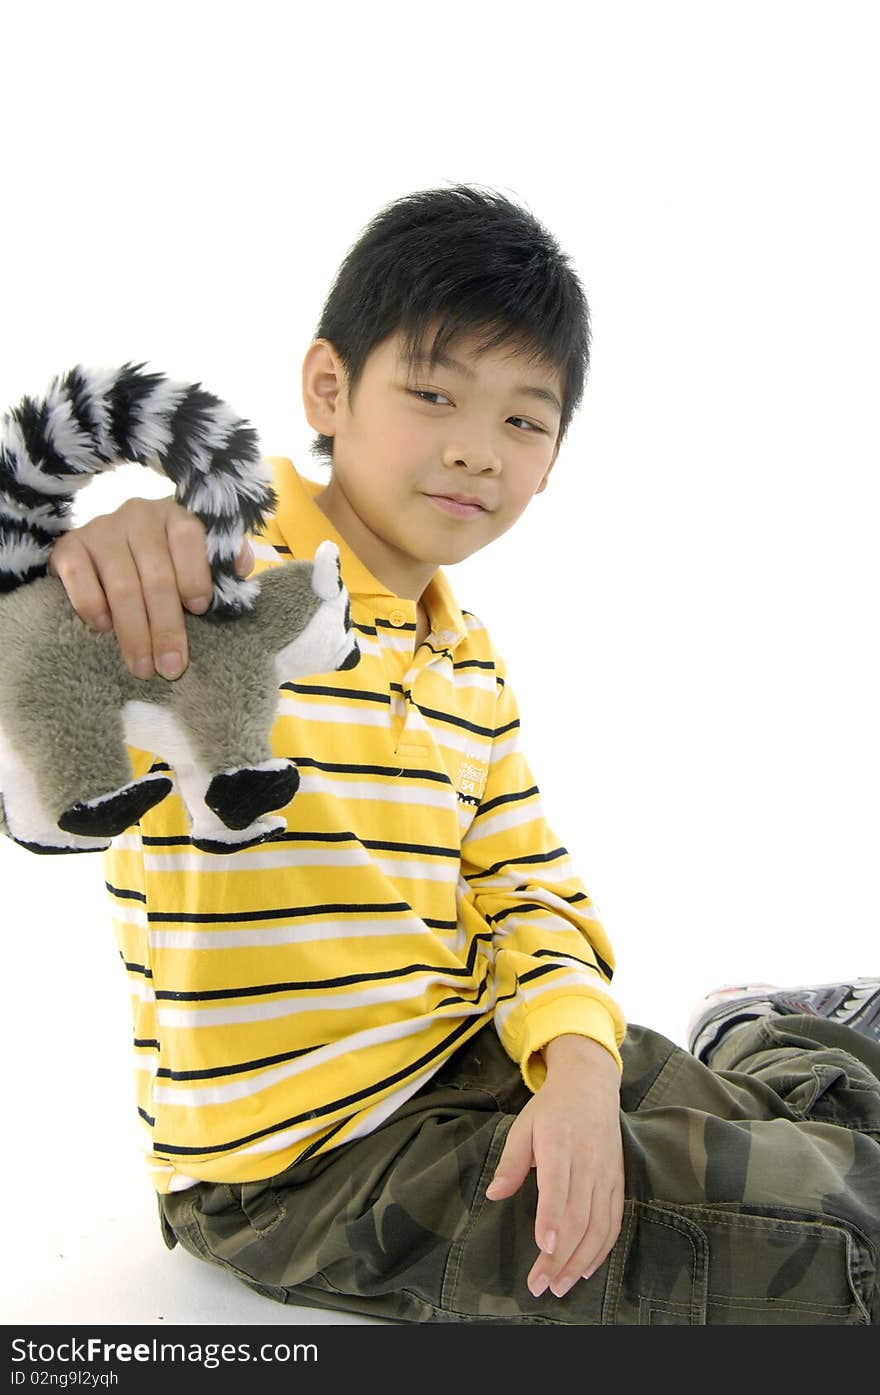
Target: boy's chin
(449, 555)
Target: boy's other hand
(569, 1131)
(134, 571)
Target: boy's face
(430, 464)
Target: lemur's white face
(328, 641)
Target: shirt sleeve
(553, 962)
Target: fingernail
(590, 1272)
(199, 604)
(560, 1287)
(170, 664)
(102, 622)
(494, 1186)
(537, 1286)
(549, 1244)
(144, 668)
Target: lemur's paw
(263, 831)
(48, 841)
(239, 797)
(111, 814)
(92, 845)
(45, 844)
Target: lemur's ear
(326, 572)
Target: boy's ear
(323, 377)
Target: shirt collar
(302, 526)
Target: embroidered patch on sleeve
(471, 778)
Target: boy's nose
(477, 458)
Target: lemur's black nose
(351, 660)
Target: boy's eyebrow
(445, 361)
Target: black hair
(473, 259)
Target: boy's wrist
(571, 1050)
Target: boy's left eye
(426, 393)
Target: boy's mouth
(463, 505)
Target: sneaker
(855, 1004)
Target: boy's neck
(404, 576)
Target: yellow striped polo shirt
(288, 997)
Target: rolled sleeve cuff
(582, 1017)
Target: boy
(380, 1065)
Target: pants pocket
(727, 1265)
(658, 1270)
(808, 1268)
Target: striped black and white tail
(93, 420)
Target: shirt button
(397, 618)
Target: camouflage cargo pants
(753, 1195)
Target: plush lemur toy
(68, 704)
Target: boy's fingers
(586, 1232)
(130, 569)
(555, 1180)
(162, 603)
(71, 564)
(602, 1229)
(125, 599)
(244, 562)
(168, 641)
(563, 1270)
(607, 1242)
(514, 1163)
(186, 544)
(596, 1253)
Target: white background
(697, 670)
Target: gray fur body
(69, 705)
